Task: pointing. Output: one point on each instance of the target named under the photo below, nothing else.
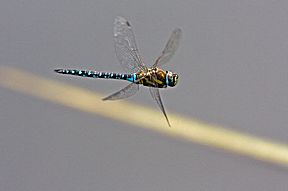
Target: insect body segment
(96, 74)
(154, 77)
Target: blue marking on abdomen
(131, 77)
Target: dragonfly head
(171, 78)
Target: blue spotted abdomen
(96, 74)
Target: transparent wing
(170, 48)
(126, 92)
(156, 96)
(125, 46)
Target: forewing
(170, 48)
(126, 92)
(156, 96)
(125, 46)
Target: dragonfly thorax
(156, 77)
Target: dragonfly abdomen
(96, 74)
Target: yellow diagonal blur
(140, 116)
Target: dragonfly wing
(156, 96)
(126, 92)
(170, 48)
(125, 46)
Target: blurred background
(232, 64)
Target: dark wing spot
(128, 24)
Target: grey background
(232, 64)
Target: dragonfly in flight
(136, 71)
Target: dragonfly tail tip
(58, 70)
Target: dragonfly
(136, 71)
